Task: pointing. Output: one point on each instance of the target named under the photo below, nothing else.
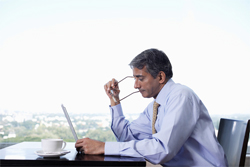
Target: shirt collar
(160, 99)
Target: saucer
(56, 154)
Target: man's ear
(162, 77)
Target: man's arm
(166, 143)
(123, 130)
(158, 148)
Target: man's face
(146, 83)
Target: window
(54, 52)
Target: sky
(55, 52)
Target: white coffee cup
(53, 145)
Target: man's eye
(140, 79)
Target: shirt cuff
(116, 110)
(112, 148)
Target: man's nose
(136, 85)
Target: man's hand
(90, 146)
(112, 85)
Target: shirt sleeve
(125, 131)
(180, 117)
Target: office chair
(233, 136)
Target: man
(183, 133)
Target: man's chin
(144, 94)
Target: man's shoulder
(178, 88)
(180, 91)
(173, 91)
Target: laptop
(70, 123)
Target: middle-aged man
(183, 133)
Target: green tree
(28, 124)
(101, 135)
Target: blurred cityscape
(20, 126)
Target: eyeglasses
(125, 96)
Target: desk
(23, 154)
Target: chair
(233, 136)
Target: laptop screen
(70, 123)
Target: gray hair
(155, 61)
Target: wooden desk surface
(23, 154)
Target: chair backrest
(233, 136)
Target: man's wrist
(103, 148)
(114, 101)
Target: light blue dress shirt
(185, 133)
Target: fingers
(111, 85)
(89, 146)
(107, 89)
(114, 83)
(80, 144)
(112, 90)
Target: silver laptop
(70, 123)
